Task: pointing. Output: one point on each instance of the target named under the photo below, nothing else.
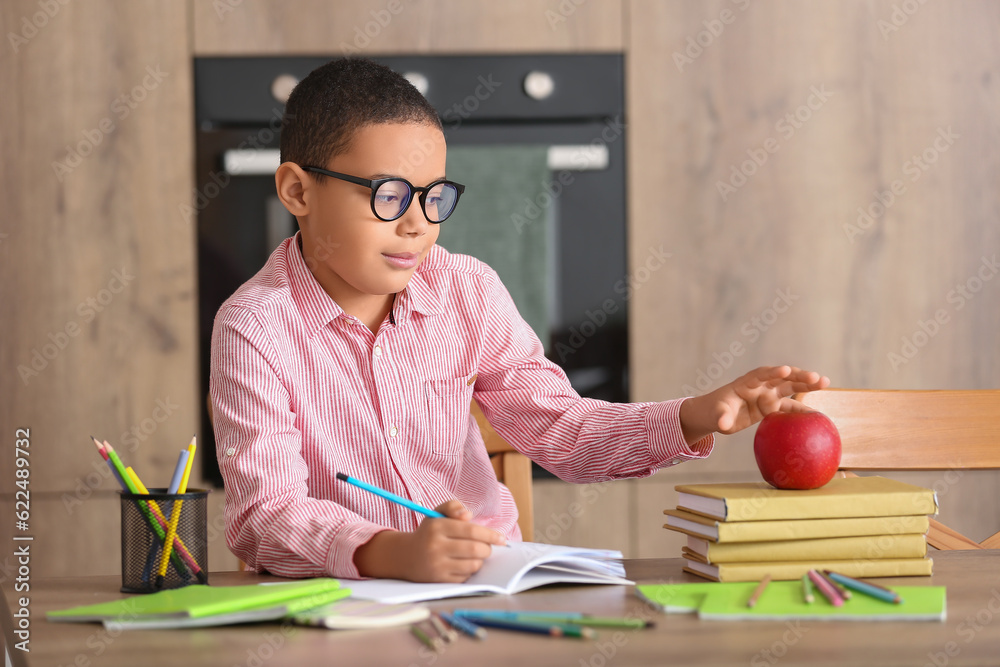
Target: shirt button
(393, 431)
(230, 451)
(675, 462)
(377, 351)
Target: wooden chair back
(917, 430)
(513, 469)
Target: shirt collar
(319, 309)
(316, 306)
(418, 296)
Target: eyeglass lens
(393, 197)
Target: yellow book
(789, 570)
(865, 547)
(842, 497)
(792, 529)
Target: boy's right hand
(447, 550)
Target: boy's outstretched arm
(744, 401)
(447, 550)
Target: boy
(360, 344)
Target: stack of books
(858, 526)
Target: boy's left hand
(747, 399)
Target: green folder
(782, 600)
(200, 605)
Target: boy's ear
(292, 182)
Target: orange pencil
(759, 590)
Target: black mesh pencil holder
(147, 523)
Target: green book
(783, 600)
(200, 605)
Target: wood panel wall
(778, 269)
(237, 27)
(97, 296)
(819, 109)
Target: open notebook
(511, 569)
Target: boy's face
(357, 258)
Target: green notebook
(199, 605)
(782, 600)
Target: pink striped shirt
(302, 390)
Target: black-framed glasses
(392, 196)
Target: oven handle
(264, 162)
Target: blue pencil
(864, 587)
(504, 615)
(399, 500)
(551, 629)
(175, 481)
(466, 626)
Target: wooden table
(970, 636)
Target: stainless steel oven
(539, 141)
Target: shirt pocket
(448, 414)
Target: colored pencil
(807, 593)
(543, 628)
(824, 587)
(147, 571)
(388, 495)
(433, 643)
(447, 634)
(175, 480)
(128, 485)
(513, 615)
(574, 618)
(866, 588)
(178, 543)
(843, 592)
(464, 625)
(175, 516)
(107, 459)
(759, 590)
(870, 583)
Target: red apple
(797, 450)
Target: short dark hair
(337, 99)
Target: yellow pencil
(175, 516)
(181, 548)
